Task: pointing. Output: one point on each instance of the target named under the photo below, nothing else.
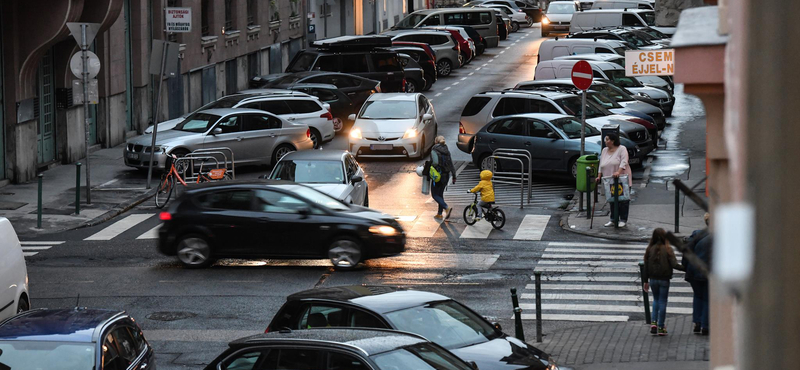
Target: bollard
(538, 282)
(677, 207)
(588, 193)
(644, 294)
(514, 298)
(78, 188)
(616, 202)
(39, 204)
(518, 331)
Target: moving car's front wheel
(194, 251)
(345, 253)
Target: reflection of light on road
(403, 261)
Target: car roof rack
(353, 42)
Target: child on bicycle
(486, 189)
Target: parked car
(478, 18)
(502, 28)
(274, 219)
(394, 125)
(477, 39)
(465, 44)
(448, 52)
(438, 318)
(340, 104)
(415, 76)
(558, 16)
(336, 349)
(633, 39)
(14, 296)
(333, 172)
(358, 89)
(622, 4)
(650, 81)
(591, 19)
(365, 56)
(518, 17)
(426, 61)
(643, 94)
(532, 10)
(254, 136)
(74, 338)
(553, 48)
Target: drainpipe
(128, 69)
(377, 19)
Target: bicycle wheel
(499, 218)
(164, 190)
(470, 213)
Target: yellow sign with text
(650, 62)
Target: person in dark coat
(442, 162)
(659, 260)
(701, 243)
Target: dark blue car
(74, 339)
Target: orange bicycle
(167, 184)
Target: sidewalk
(115, 189)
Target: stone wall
(668, 11)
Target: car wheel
(280, 152)
(573, 168)
(530, 22)
(316, 138)
(488, 163)
(411, 86)
(345, 253)
(444, 67)
(194, 251)
(23, 304)
(514, 26)
(338, 124)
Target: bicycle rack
(191, 158)
(521, 177)
(218, 154)
(510, 177)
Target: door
(300, 227)
(429, 127)
(120, 349)
(260, 132)
(209, 85)
(545, 145)
(231, 137)
(231, 75)
(46, 141)
(322, 315)
(359, 188)
(175, 92)
(233, 222)
(307, 112)
(275, 60)
(509, 133)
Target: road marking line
(568, 317)
(485, 64)
(596, 287)
(464, 78)
(600, 297)
(456, 83)
(478, 69)
(437, 260)
(437, 94)
(532, 227)
(580, 250)
(28, 254)
(566, 269)
(599, 308)
(41, 243)
(480, 230)
(425, 226)
(590, 257)
(35, 248)
(615, 279)
(120, 226)
(447, 88)
(571, 244)
(589, 263)
(150, 234)
(502, 52)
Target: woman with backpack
(659, 260)
(442, 162)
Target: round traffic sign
(76, 64)
(582, 75)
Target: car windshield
(654, 33)
(410, 21)
(446, 323)
(634, 39)
(421, 356)
(285, 80)
(612, 92)
(389, 109)
(198, 122)
(309, 172)
(603, 101)
(317, 197)
(618, 76)
(572, 128)
(649, 18)
(572, 106)
(35, 355)
(562, 8)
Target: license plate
(381, 146)
(133, 156)
(634, 160)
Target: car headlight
(551, 364)
(355, 134)
(545, 20)
(383, 230)
(410, 133)
(643, 95)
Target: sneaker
(662, 332)
(609, 224)
(653, 328)
(438, 217)
(696, 328)
(449, 211)
(622, 224)
(704, 331)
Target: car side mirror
(473, 365)
(356, 179)
(427, 117)
(304, 212)
(326, 106)
(552, 135)
(351, 117)
(216, 131)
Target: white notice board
(660, 62)
(178, 19)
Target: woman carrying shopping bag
(659, 260)
(442, 163)
(614, 163)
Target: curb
(122, 208)
(564, 223)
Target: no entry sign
(582, 75)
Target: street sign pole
(583, 123)
(582, 76)
(86, 122)
(155, 115)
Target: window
(341, 361)
(278, 107)
(604, 51)
(321, 316)
(468, 18)
(242, 361)
(388, 109)
(328, 63)
(582, 50)
(475, 105)
(303, 62)
(354, 63)
(323, 95)
(206, 16)
(361, 319)
(252, 12)
(597, 74)
(543, 106)
(420, 356)
(352, 166)
(277, 202)
(230, 124)
(421, 106)
(231, 200)
(386, 63)
(198, 122)
(432, 21)
(253, 122)
(539, 129)
(440, 39)
(630, 20)
(649, 18)
(294, 359)
(508, 106)
(572, 128)
(510, 126)
(138, 339)
(303, 106)
(336, 80)
(230, 16)
(433, 320)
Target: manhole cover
(170, 316)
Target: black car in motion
(274, 219)
(439, 319)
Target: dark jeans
(437, 193)
(700, 303)
(624, 207)
(660, 290)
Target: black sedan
(274, 219)
(357, 88)
(435, 317)
(340, 103)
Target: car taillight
(165, 216)
(461, 129)
(266, 330)
(308, 133)
(642, 122)
(327, 115)
(378, 87)
(404, 84)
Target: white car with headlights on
(393, 125)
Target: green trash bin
(584, 184)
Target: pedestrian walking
(659, 260)
(700, 243)
(614, 162)
(442, 162)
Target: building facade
(332, 18)
(230, 42)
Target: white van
(622, 4)
(553, 48)
(606, 18)
(14, 296)
(482, 20)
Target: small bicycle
(494, 215)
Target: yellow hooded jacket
(485, 187)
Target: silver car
(254, 136)
(448, 51)
(333, 172)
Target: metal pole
(677, 207)
(514, 298)
(588, 192)
(78, 188)
(39, 204)
(538, 281)
(87, 124)
(155, 115)
(518, 330)
(583, 123)
(616, 202)
(645, 295)
(521, 187)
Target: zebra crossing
(542, 193)
(32, 248)
(597, 282)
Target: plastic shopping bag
(622, 189)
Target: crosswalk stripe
(589, 256)
(596, 245)
(480, 230)
(532, 227)
(600, 308)
(564, 269)
(588, 263)
(42, 243)
(610, 279)
(36, 248)
(120, 226)
(150, 234)
(579, 250)
(426, 226)
(625, 288)
(28, 254)
(570, 317)
(598, 297)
